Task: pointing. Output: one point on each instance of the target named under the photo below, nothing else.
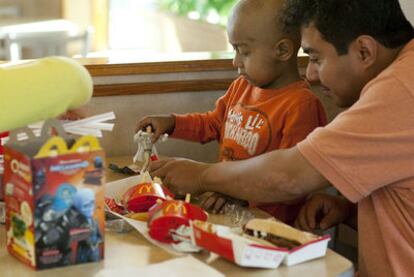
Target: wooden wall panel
(36, 8)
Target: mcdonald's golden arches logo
(147, 187)
(175, 207)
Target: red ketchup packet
(113, 206)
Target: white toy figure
(146, 151)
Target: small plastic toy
(146, 151)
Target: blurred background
(117, 28)
(98, 28)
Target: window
(167, 25)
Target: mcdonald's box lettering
(54, 201)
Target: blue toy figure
(88, 249)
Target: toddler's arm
(160, 124)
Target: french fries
(138, 216)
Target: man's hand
(180, 175)
(323, 211)
(160, 124)
(214, 202)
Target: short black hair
(341, 21)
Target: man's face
(339, 75)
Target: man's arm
(275, 176)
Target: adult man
(362, 52)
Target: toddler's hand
(160, 124)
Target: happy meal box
(54, 198)
(2, 137)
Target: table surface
(131, 249)
(25, 25)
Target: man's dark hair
(341, 21)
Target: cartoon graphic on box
(94, 176)
(55, 216)
(88, 249)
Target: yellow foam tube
(41, 89)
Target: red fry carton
(143, 196)
(54, 199)
(169, 215)
(250, 252)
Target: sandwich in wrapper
(275, 233)
(264, 243)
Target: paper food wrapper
(224, 241)
(115, 190)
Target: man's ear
(284, 49)
(366, 49)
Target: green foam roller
(41, 89)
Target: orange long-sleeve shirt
(248, 121)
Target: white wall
(78, 11)
(408, 8)
(129, 109)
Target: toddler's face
(254, 57)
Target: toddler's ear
(284, 49)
